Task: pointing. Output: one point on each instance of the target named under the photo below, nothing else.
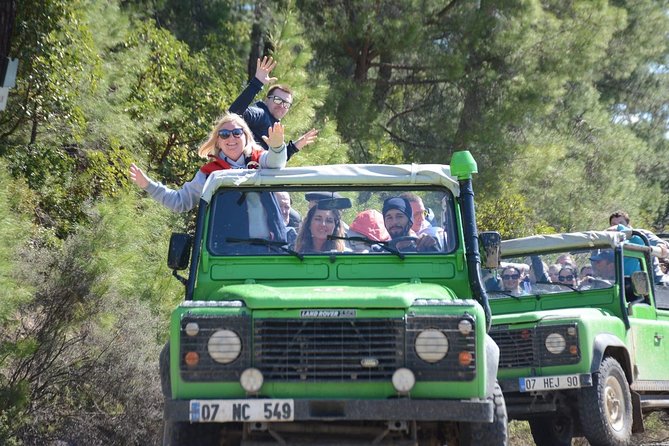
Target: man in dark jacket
(263, 114)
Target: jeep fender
(492, 363)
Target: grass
(656, 434)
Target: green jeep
(374, 342)
(582, 345)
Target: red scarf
(252, 162)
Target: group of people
(518, 278)
(252, 137)
(400, 224)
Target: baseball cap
(602, 254)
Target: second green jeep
(583, 334)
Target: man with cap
(397, 218)
(603, 264)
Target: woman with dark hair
(315, 229)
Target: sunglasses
(280, 101)
(570, 277)
(225, 134)
(424, 213)
(510, 276)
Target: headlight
(224, 346)
(431, 345)
(555, 343)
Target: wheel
(488, 434)
(605, 409)
(404, 243)
(164, 365)
(554, 430)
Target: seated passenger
(553, 271)
(419, 214)
(603, 264)
(511, 278)
(283, 199)
(397, 218)
(367, 224)
(317, 226)
(568, 276)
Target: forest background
(564, 104)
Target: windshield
(558, 272)
(351, 221)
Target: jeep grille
(328, 350)
(525, 347)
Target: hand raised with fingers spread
(138, 176)
(306, 139)
(263, 68)
(274, 138)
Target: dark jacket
(257, 116)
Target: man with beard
(397, 218)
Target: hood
(561, 314)
(257, 296)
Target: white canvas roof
(562, 242)
(335, 175)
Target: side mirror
(179, 251)
(640, 283)
(492, 247)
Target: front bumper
(474, 411)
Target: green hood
(258, 296)
(562, 314)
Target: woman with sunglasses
(230, 146)
(511, 277)
(568, 276)
(314, 231)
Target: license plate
(549, 383)
(221, 411)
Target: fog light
(192, 329)
(251, 380)
(224, 346)
(191, 359)
(465, 358)
(403, 380)
(465, 326)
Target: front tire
(489, 434)
(605, 409)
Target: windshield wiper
(282, 245)
(370, 242)
(505, 293)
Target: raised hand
(274, 136)
(138, 177)
(306, 139)
(263, 68)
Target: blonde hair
(209, 147)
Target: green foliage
(93, 321)
(294, 54)
(509, 213)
